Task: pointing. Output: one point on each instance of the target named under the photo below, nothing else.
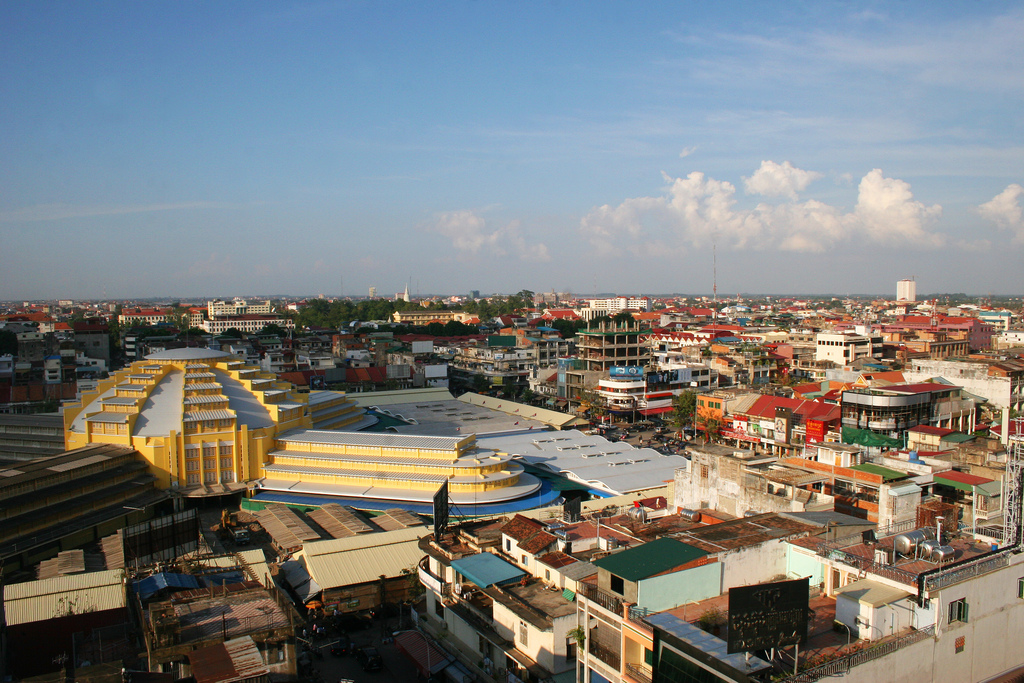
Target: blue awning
(485, 569)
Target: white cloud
(886, 213)
(779, 180)
(471, 238)
(1005, 211)
(687, 151)
(697, 209)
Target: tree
(275, 330)
(233, 332)
(623, 318)
(684, 406)
(710, 424)
(592, 404)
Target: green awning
(568, 595)
(866, 437)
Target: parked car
(369, 659)
(342, 646)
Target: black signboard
(768, 615)
(441, 510)
(571, 510)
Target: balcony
(606, 600)
(639, 673)
(606, 655)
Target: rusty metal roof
(232, 660)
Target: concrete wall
(753, 564)
(660, 593)
(801, 562)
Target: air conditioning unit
(883, 556)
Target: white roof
(75, 594)
(616, 468)
(373, 439)
(362, 558)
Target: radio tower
(1013, 528)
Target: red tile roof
(934, 431)
(962, 477)
(520, 528)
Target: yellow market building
(204, 420)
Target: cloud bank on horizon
(697, 210)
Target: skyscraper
(906, 290)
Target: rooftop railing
(842, 665)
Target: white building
(843, 349)
(906, 290)
(620, 303)
(220, 309)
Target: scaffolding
(1014, 482)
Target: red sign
(814, 431)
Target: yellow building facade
(209, 424)
(204, 420)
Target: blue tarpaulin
(485, 569)
(152, 585)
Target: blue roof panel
(485, 569)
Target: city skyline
(163, 149)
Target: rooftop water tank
(689, 515)
(943, 553)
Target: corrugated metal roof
(200, 415)
(363, 564)
(233, 660)
(201, 386)
(380, 439)
(76, 594)
(111, 418)
(649, 559)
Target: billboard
(626, 371)
(768, 615)
(814, 431)
(162, 538)
(441, 510)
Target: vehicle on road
(342, 646)
(369, 658)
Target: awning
(656, 411)
(425, 655)
(485, 569)
(568, 595)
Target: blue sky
(191, 149)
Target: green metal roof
(886, 473)
(655, 557)
(502, 340)
(958, 438)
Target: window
(648, 657)
(618, 585)
(1020, 588)
(225, 450)
(958, 610)
(525, 560)
(523, 633)
(210, 477)
(508, 545)
(193, 479)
